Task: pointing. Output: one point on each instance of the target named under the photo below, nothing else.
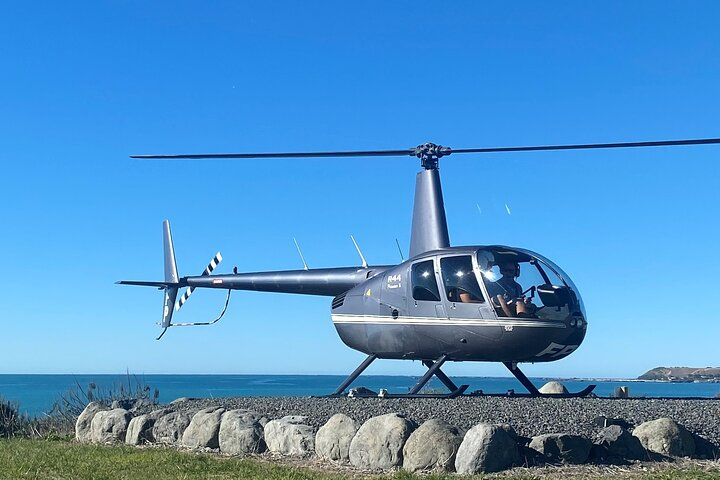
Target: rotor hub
(429, 154)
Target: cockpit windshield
(521, 283)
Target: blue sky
(83, 85)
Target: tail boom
(321, 281)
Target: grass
(23, 458)
(57, 459)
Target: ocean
(35, 394)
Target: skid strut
(442, 377)
(534, 392)
(351, 378)
(433, 369)
(522, 378)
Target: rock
(562, 447)
(169, 428)
(602, 421)
(139, 430)
(378, 443)
(705, 449)
(82, 425)
(242, 431)
(332, 441)
(142, 405)
(432, 446)
(203, 429)
(361, 392)
(290, 436)
(553, 387)
(617, 442)
(109, 426)
(486, 448)
(126, 404)
(666, 437)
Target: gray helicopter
(489, 303)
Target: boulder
(109, 426)
(562, 447)
(666, 437)
(139, 430)
(203, 429)
(82, 425)
(616, 441)
(378, 443)
(169, 428)
(432, 446)
(486, 448)
(242, 431)
(553, 387)
(290, 436)
(332, 441)
(704, 448)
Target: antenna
(301, 255)
(364, 263)
(402, 259)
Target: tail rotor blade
(208, 270)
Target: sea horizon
(35, 393)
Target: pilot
(513, 289)
(512, 301)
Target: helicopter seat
(424, 293)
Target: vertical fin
(171, 271)
(171, 276)
(170, 295)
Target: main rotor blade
(436, 150)
(587, 146)
(366, 153)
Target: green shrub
(127, 393)
(59, 423)
(10, 419)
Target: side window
(424, 285)
(459, 278)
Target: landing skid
(511, 394)
(384, 394)
(455, 391)
(534, 392)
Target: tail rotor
(208, 270)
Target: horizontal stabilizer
(146, 284)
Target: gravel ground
(528, 416)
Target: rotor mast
(429, 224)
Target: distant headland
(683, 374)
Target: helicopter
(488, 303)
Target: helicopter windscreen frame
(523, 284)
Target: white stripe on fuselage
(476, 322)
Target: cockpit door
(461, 292)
